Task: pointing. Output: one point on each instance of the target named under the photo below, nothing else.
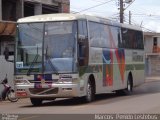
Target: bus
(73, 55)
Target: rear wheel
(90, 96)
(36, 101)
(129, 89)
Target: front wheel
(36, 101)
(90, 96)
(11, 95)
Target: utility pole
(130, 17)
(0, 9)
(121, 11)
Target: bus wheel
(36, 101)
(129, 88)
(90, 92)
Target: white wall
(6, 68)
(158, 39)
(148, 44)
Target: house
(152, 53)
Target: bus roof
(68, 17)
(51, 17)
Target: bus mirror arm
(82, 38)
(81, 57)
(12, 61)
(6, 55)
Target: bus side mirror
(81, 58)
(82, 50)
(6, 55)
(81, 38)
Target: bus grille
(43, 91)
(33, 81)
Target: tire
(36, 101)
(128, 90)
(90, 90)
(11, 95)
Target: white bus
(72, 55)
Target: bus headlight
(21, 82)
(66, 80)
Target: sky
(145, 13)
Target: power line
(94, 6)
(147, 29)
(100, 1)
(126, 18)
(149, 15)
(142, 26)
(101, 12)
(129, 4)
(122, 9)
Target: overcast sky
(144, 12)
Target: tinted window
(102, 35)
(83, 49)
(139, 40)
(131, 39)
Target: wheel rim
(12, 96)
(89, 92)
(129, 86)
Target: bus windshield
(46, 47)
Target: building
(152, 52)
(10, 12)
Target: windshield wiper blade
(52, 66)
(48, 59)
(32, 64)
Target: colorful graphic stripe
(107, 68)
(121, 62)
(120, 56)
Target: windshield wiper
(49, 61)
(52, 66)
(32, 64)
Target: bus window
(83, 49)
(139, 40)
(82, 28)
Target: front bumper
(54, 91)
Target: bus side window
(82, 28)
(83, 49)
